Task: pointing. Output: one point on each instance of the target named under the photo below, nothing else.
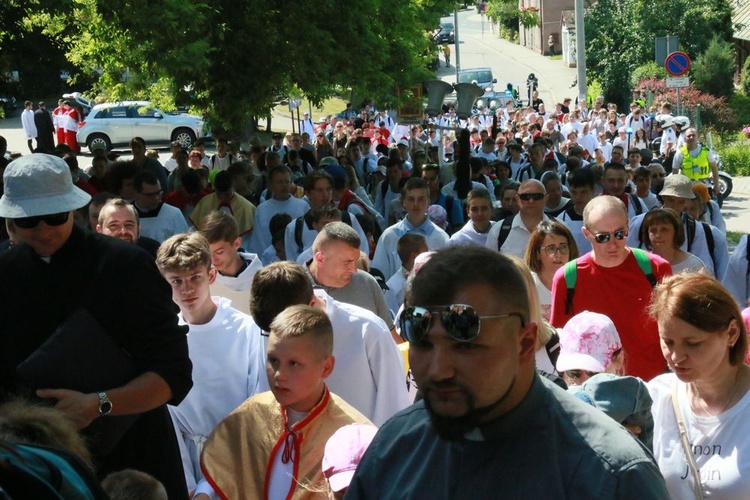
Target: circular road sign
(677, 63)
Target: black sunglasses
(532, 196)
(460, 321)
(50, 220)
(576, 374)
(602, 238)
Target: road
(480, 47)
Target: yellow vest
(698, 168)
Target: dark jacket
(122, 288)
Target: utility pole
(580, 52)
(455, 29)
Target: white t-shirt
(720, 444)
(467, 235)
(690, 265)
(545, 296)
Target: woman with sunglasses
(551, 245)
(662, 233)
(322, 147)
(701, 429)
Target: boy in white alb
(234, 268)
(415, 197)
(479, 210)
(409, 246)
(226, 349)
(280, 179)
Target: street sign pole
(456, 41)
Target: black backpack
(690, 236)
(636, 203)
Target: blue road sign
(677, 63)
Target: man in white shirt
(29, 127)
(307, 125)
(512, 234)
(389, 189)
(279, 178)
(415, 197)
(159, 220)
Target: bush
(740, 105)
(713, 70)
(648, 70)
(714, 110)
(736, 158)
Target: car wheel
(184, 136)
(97, 140)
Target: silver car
(114, 124)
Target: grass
(556, 57)
(734, 237)
(332, 106)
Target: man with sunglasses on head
(512, 234)
(610, 280)
(489, 426)
(58, 275)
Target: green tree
(713, 70)
(236, 58)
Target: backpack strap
(449, 206)
(570, 271)
(298, 234)
(689, 232)
(747, 254)
(710, 243)
(504, 231)
(384, 189)
(553, 348)
(645, 264)
(636, 203)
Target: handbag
(81, 356)
(686, 445)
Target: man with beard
(488, 425)
(119, 219)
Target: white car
(114, 124)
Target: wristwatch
(105, 405)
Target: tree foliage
(620, 35)
(236, 58)
(746, 77)
(713, 70)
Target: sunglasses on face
(460, 321)
(576, 374)
(658, 176)
(531, 196)
(50, 220)
(603, 238)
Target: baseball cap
(39, 184)
(678, 185)
(617, 396)
(403, 142)
(343, 452)
(438, 216)
(338, 173)
(328, 160)
(588, 342)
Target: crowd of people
(567, 323)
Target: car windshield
(447, 26)
(479, 76)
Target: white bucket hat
(39, 184)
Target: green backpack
(571, 275)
